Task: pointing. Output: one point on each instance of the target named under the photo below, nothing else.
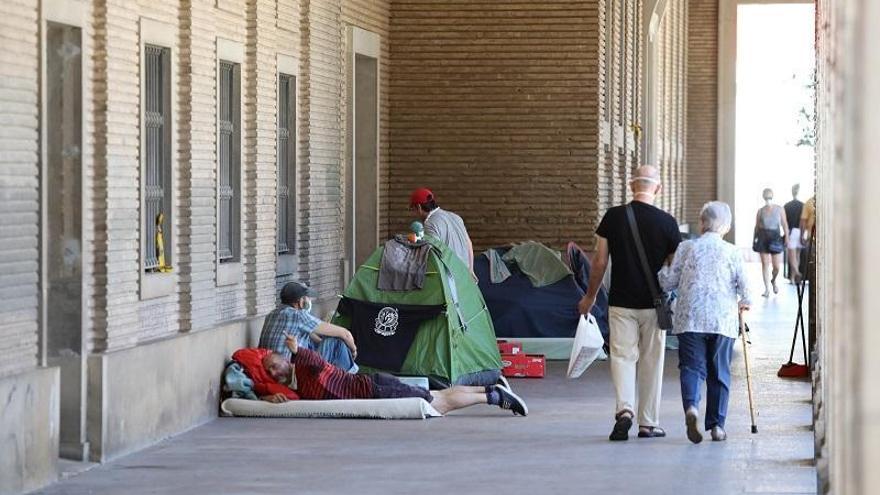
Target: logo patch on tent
(386, 322)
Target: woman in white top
(708, 275)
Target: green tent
(444, 348)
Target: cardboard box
(509, 346)
(523, 365)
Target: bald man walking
(637, 344)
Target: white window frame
(368, 43)
(287, 263)
(229, 273)
(152, 32)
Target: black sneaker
(502, 381)
(510, 400)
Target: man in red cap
(444, 225)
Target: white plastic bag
(587, 346)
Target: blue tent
(520, 310)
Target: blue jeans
(335, 352)
(705, 357)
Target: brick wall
(670, 98)
(313, 33)
(524, 117)
(323, 34)
(702, 106)
(620, 85)
(261, 106)
(375, 16)
(494, 106)
(322, 170)
(19, 199)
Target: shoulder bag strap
(646, 268)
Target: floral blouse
(707, 274)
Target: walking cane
(742, 332)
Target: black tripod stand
(792, 369)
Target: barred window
(229, 157)
(156, 101)
(286, 164)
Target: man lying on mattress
(314, 378)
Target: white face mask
(307, 307)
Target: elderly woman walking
(708, 275)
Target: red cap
(420, 196)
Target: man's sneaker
(718, 434)
(510, 400)
(691, 418)
(502, 380)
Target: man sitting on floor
(293, 316)
(316, 379)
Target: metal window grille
(157, 180)
(286, 165)
(229, 136)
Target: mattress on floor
(408, 408)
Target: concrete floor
(561, 447)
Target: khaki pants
(637, 354)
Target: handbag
(767, 240)
(662, 301)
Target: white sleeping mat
(408, 408)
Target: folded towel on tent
(403, 265)
(541, 264)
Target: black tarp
(520, 310)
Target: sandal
(624, 421)
(651, 432)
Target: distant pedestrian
(770, 238)
(793, 210)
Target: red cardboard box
(510, 347)
(523, 365)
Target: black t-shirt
(660, 237)
(793, 210)
(384, 332)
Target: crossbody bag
(662, 301)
